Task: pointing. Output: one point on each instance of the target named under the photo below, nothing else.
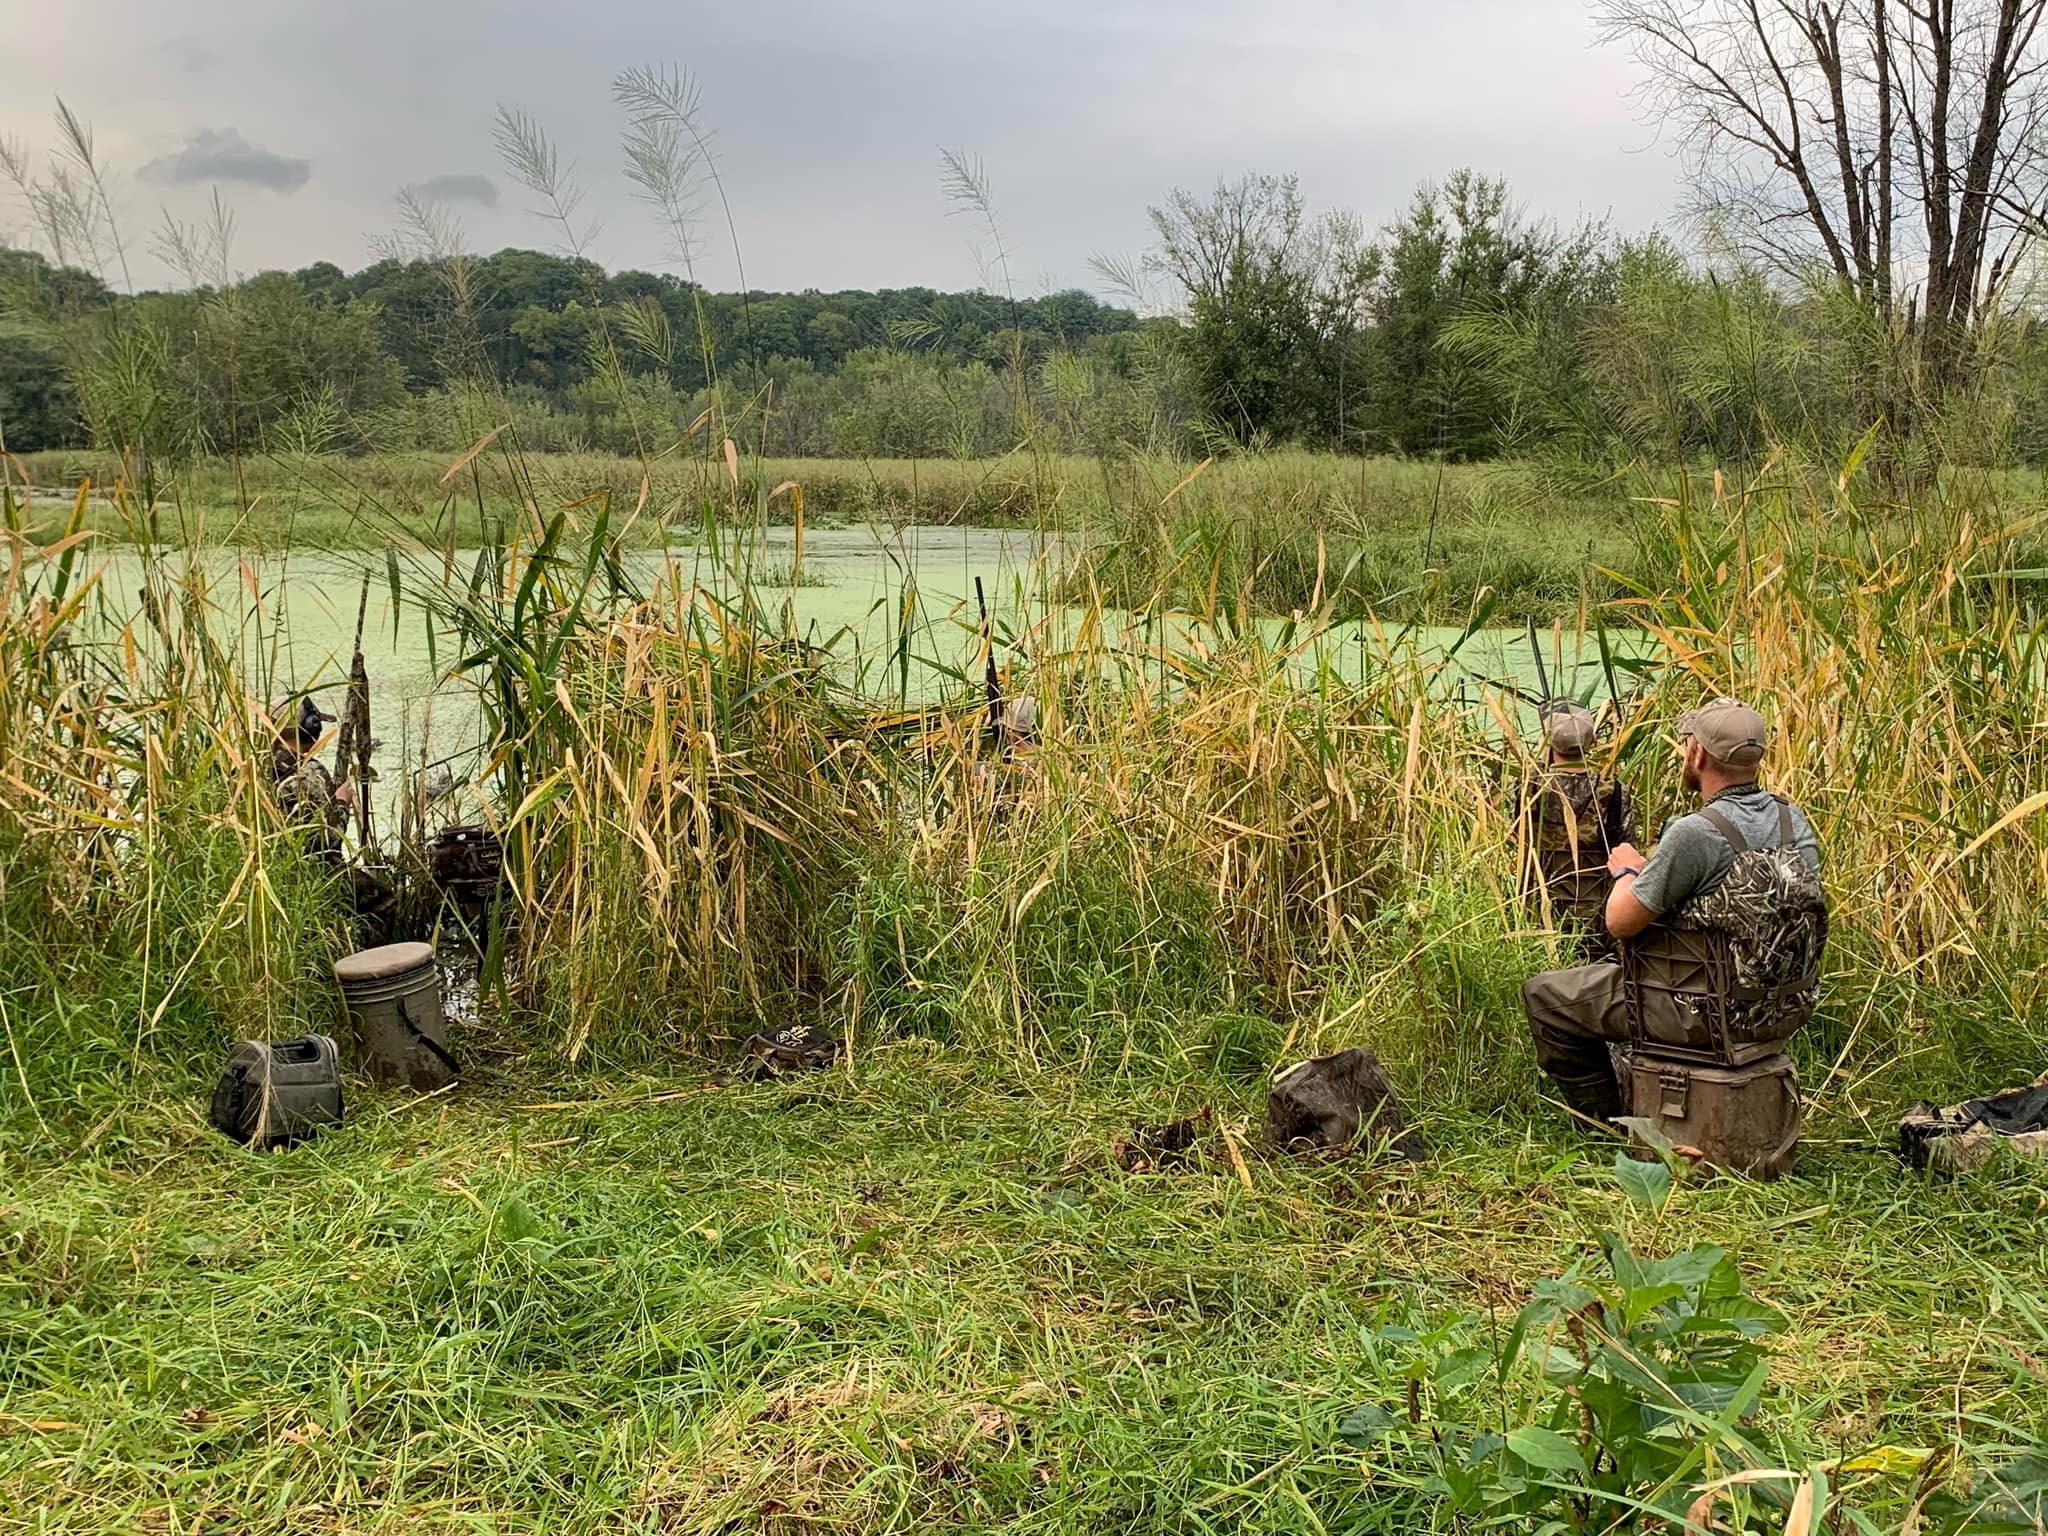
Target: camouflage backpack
(1732, 974)
(1567, 813)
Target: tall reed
(150, 907)
(1237, 835)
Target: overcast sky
(829, 117)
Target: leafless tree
(1901, 145)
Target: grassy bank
(913, 1291)
(334, 502)
(911, 1295)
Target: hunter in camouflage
(1012, 778)
(1721, 930)
(313, 803)
(1568, 818)
(316, 808)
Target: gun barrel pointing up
(989, 678)
(1542, 677)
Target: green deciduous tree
(1462, 248)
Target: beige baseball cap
(1729, 731)
(1569, 728)
(1020, 718)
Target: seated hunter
(1721, 929)
(1569, 820)
(312, 801)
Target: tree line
(322, 358)
(1462, 329)
(1861, 273)
(1285, 330)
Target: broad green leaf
(1647, 1184)
(515, 1221)
(1461, 1366)
(1545, 1448)
(1365, 1426)
(1647, 1129)
(1482, 1447)
(1693, 1267)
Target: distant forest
(1463, 329)
(363, 359)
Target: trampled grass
(912, 1292)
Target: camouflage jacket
(1568, 819)
(305, 793)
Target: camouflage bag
(1731, 975)
(792, 1048)
(1963, 1137)
(1566, 817)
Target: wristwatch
(1632, 870)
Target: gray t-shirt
(1692, 856)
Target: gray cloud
(191, 55)
(222, 154)
(462, 187)
(1084, 111)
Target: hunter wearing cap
(1721, 929)
(1014, 733)
(306, 791)
(1569, 819)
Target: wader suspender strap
(1722, 825)
(1726, 983)
(1726, 828)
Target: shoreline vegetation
(593, 1287)
(600, 1285)
(1283, 533)
(1383, 536)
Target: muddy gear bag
(277, 1093)
(1745, 1119)
(1730, 976)
(468, 862)
(1965, 1136)
(1331, 1102)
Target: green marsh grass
(913, 1294)
(1381, 535)
(594, 1290)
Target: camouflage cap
(1569, 728)
(1728, 730)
